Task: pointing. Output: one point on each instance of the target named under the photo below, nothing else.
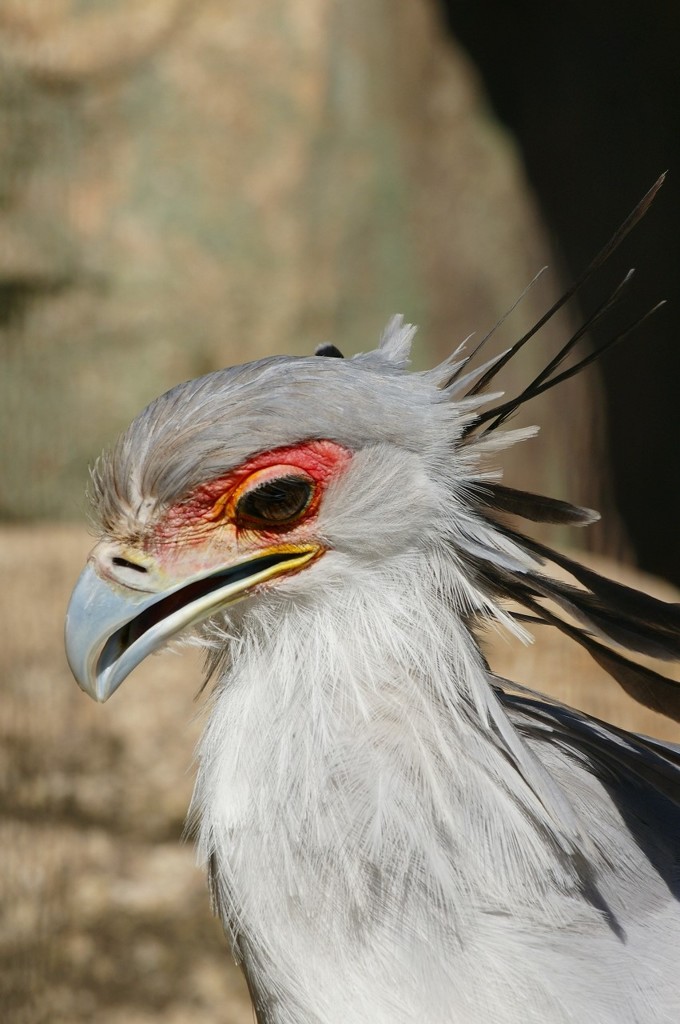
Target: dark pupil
(277, 501)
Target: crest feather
(396, 341)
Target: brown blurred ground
(104, 915)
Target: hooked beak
(111, 628)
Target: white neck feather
(343, 822)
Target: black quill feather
(612, 611)
(536, 507)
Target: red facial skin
(208, 511)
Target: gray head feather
(205, 427)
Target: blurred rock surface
(187, 184)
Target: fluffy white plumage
(372, 841)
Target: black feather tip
(547, 378)
(327, 349)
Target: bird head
(300, 478)
(275, 477)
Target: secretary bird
(394, 834)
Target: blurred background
(186, 184)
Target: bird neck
(351, 772)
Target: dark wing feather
(641, 775)
(627, 616)
(609, 619)
(649, 688)
(536, 507)
(656, 760)
(636, 604)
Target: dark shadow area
(591, 91)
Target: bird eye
(274, 502)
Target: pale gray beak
(111, 628)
